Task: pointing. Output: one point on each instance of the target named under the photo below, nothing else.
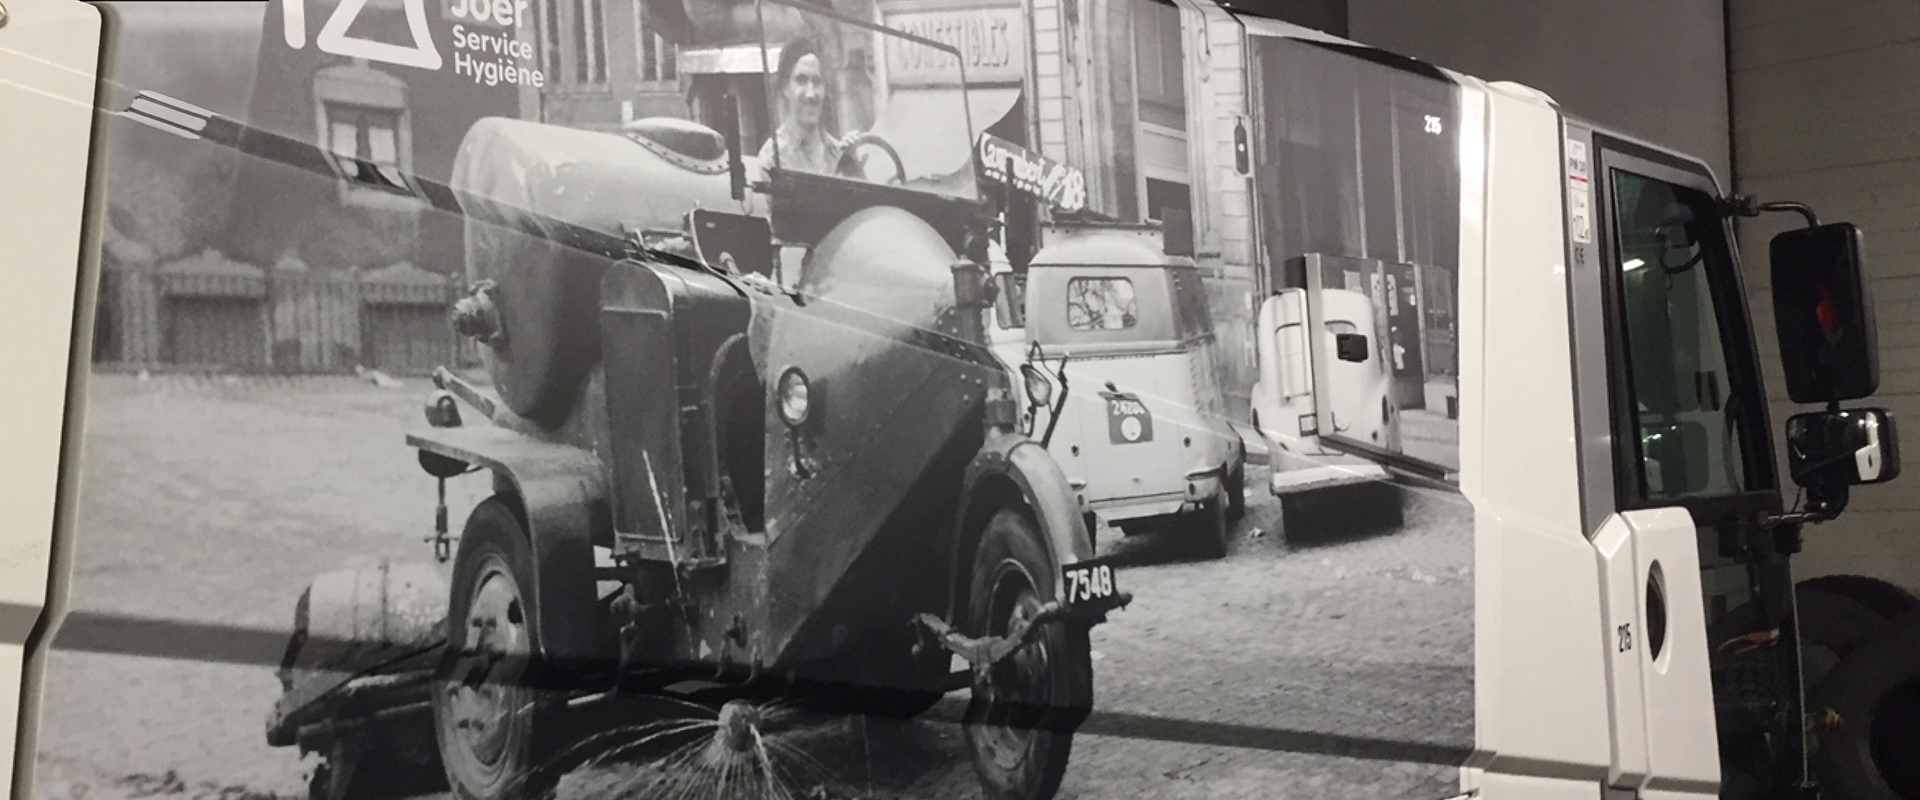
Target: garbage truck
(747, 443)
(1639, 627)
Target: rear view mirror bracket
(1747, 205)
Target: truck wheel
(1873, 696)
(1020, 723)
(1883, 598)
(1212, 531)
(1830, 625)
(494, 728)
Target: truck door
(1356, 391)
(1677, 463)
(1286, 367)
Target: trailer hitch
(982, 654)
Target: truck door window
(1680, 407)
(1101, 304)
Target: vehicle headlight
(1039, 388)
(794, 406)
(442, 411)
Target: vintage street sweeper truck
(703, 467)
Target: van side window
(1101, 304)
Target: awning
(930, 126)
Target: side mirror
(1824, 314)
(1039, 386)
(1830, 449)
(1351, 347)
(1009, 307)
(1676, 456)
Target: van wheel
(1021, 721)
(1883, 598)
(1867, 714)
(495, 730)
(1211, 530)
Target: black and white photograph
(826, 399)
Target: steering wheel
(850, 167)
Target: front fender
(1011, 467)
(562, 496)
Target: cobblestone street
(214, 501)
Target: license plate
(1088, 582)
(1128, 421)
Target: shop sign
(991, 43)
(1057, 184)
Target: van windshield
(1099, 306)
(1102, 304)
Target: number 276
(1433, 124)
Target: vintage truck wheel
(1020, 723)
(1211, 528)
(494, 728)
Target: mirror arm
(1824, 504)
(1059, 403)
(1746, 205)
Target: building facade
(376, 118)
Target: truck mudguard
(1013, 467)
(560, 493)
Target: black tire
(1211, 531)
(1885, 599)
(1830, 626)
(1021, 744)
(1868, 741)
(495, 563)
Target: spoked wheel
(493, 728)
(1020, 724)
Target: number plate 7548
(1088, 582)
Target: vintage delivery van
(1120, 330)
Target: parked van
(1104, 315)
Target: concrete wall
(1655, 69)
(1826, 99)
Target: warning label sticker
(1580, 212)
